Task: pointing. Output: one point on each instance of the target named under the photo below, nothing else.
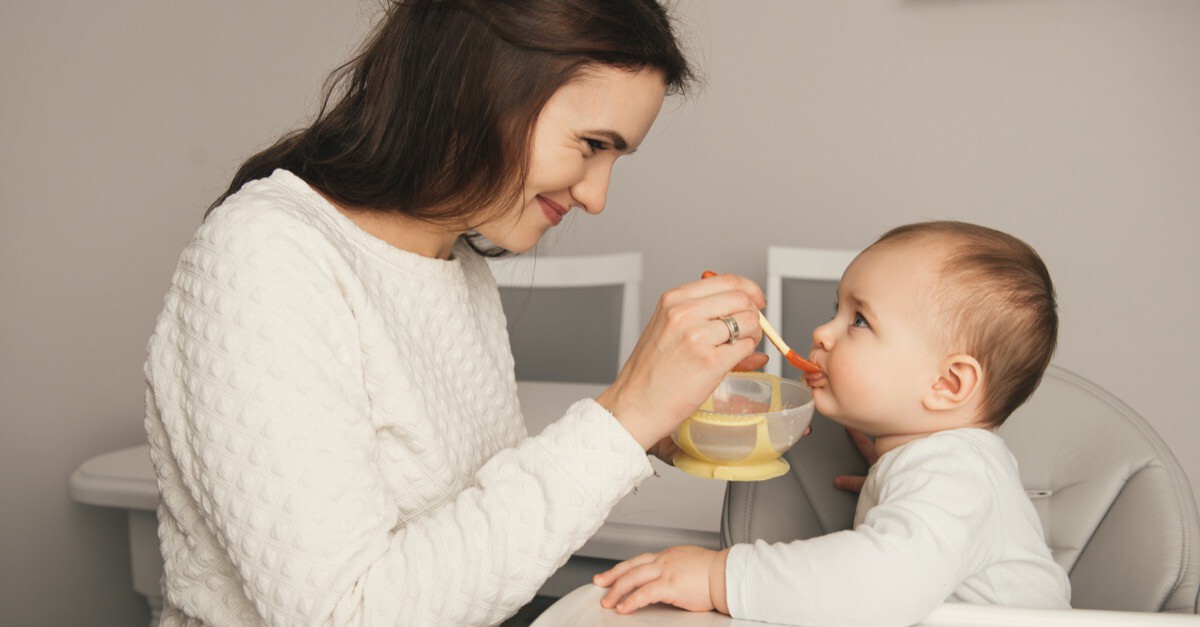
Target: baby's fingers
(849, 483)
(652, 592)
(864, 444)
(637, 577)
(606, 578)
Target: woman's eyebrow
(618, 142)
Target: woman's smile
(554, 211)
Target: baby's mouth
(814, 379)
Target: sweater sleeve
(933, 527)
(271, 463)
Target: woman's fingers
(723, 283)
(753, 362)
(665, 450)
(744, 323)
(683, 353)
(701, 321)
(736, 304)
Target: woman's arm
(276, 504)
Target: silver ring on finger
(733, 328)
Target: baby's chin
(822, 400)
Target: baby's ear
(959, 380)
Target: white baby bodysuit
(942, 518)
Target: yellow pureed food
(739, 433)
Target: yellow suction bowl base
(751, 472)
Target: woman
(331, 404)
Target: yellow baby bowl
(739, 433)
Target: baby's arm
(932, 527)
(688, 577)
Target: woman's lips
(554, 211)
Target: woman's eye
(860, 321)
(594, 144)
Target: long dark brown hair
(434, 116)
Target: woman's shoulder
(263, 234)
(278, 214)
(275, 202)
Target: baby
(941, 330)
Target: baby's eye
(835, 310)
(860, 321)
(594, 144)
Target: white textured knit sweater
(336, 432)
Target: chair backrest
(801, 288)
(1116, 508)
(570, 319)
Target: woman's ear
(958, 381)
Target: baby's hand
(688, 577)
(866, 446)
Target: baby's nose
(823, 336)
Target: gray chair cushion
(1115, 506)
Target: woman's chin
(520, 245)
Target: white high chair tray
(581, 608)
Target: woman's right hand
(683, 354)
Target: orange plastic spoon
(789, 354)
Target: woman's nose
(591, 192)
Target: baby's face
(878, 354)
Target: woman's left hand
(665, 450)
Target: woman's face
(584, 127)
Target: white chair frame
(790, 262)
(624, 269)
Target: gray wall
(1070, 123)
